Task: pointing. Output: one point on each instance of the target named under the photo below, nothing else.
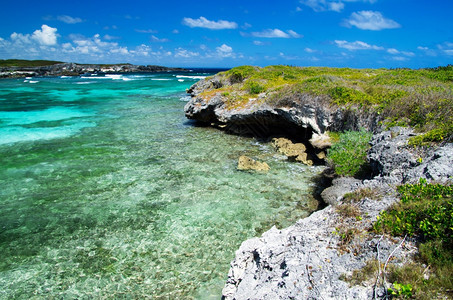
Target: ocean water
(107, 191)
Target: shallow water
(107, 191)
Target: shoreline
(73, 69)
(313, 257)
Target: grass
(27, 63)
(420, 98)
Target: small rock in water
(294, 151)
(247, 163)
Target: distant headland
(16, 68)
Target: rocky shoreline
(73, 69)
(313, 258)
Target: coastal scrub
(422, 99)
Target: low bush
(426, 212)
(348, 155)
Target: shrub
(425, 211)
(348, 155)
(255, 88)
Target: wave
(191, 77)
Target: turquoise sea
(107, 191)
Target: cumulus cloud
(309, 50)
(46, 36)
(225, 51)
(69, 20)
(184, 53)
(202, 22)
(370, 20)
(357, 45)
(275, 33)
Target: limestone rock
(294, 151)
(247, 163)
(321, 141)
(340, 186)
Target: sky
(217, 33)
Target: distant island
(17, 68)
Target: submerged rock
(247, 163)
(294, 151)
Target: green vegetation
(401, 290)
(420, 98)
(348, 155)
(27, 63)
(425, 211)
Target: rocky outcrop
(301, 115)
(311, 259)
(246, 163)
(72, 69)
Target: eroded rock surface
(246, 163)
(301, 114)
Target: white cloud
(446, 48)
(225, 51)
(20, 38)
(180, 52)
(69, 20)
(109, 37)
(47, 36)
(396, 52)
(158, 40)
(323, 5)
(120, 50)
(258, 43)
(328, 5)
(175, 31)
(357, 45)
(309, 50)
(393, 51)
(407, 53)
(276, 33)
(427, 51)
(370, 20)
(146, 31)
(205, 23)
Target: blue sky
(335, 33)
